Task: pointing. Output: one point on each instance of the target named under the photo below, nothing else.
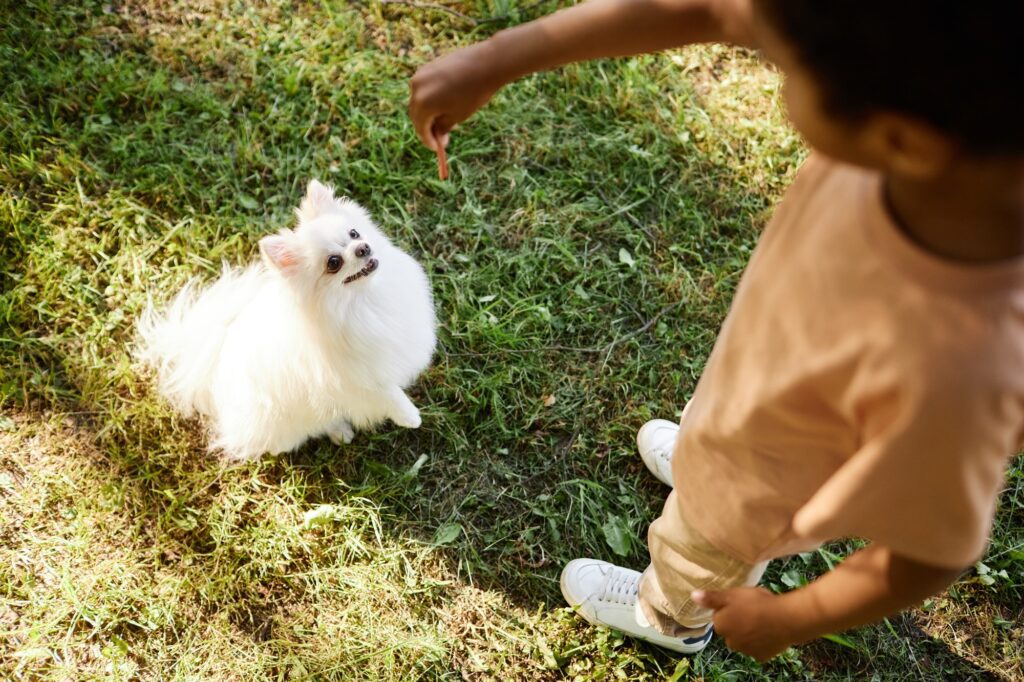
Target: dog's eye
(334, 263)
(353, 234)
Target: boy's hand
(450, 89)
(869, 585)
(749, 620)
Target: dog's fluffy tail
(183, 342)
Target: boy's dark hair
(956, 64)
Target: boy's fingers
(439, 129)
(425, 131)
(432, 132)
(710, 599)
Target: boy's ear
(319, 199)
(281, 252)
(912, 147)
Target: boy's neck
(973, 213)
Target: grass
(582, 258)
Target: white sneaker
(656, 441)
(605, 594)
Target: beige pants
(682, 561)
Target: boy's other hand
(870, 584)
(450, 89)
(749, 619)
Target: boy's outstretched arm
(868, 586)
(448, 90)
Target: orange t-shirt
(859, 387)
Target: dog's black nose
(363, 250)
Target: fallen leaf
(447, 534)
(323, 514)
(617, 535)
(626, 257)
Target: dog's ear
(281, 251)
(319, 199)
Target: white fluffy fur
(283, 351)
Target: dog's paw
(342, 433)
(408, 419)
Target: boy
(869, 379)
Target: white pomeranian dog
(321, 338)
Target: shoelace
(621, 587)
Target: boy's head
(904, 86)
